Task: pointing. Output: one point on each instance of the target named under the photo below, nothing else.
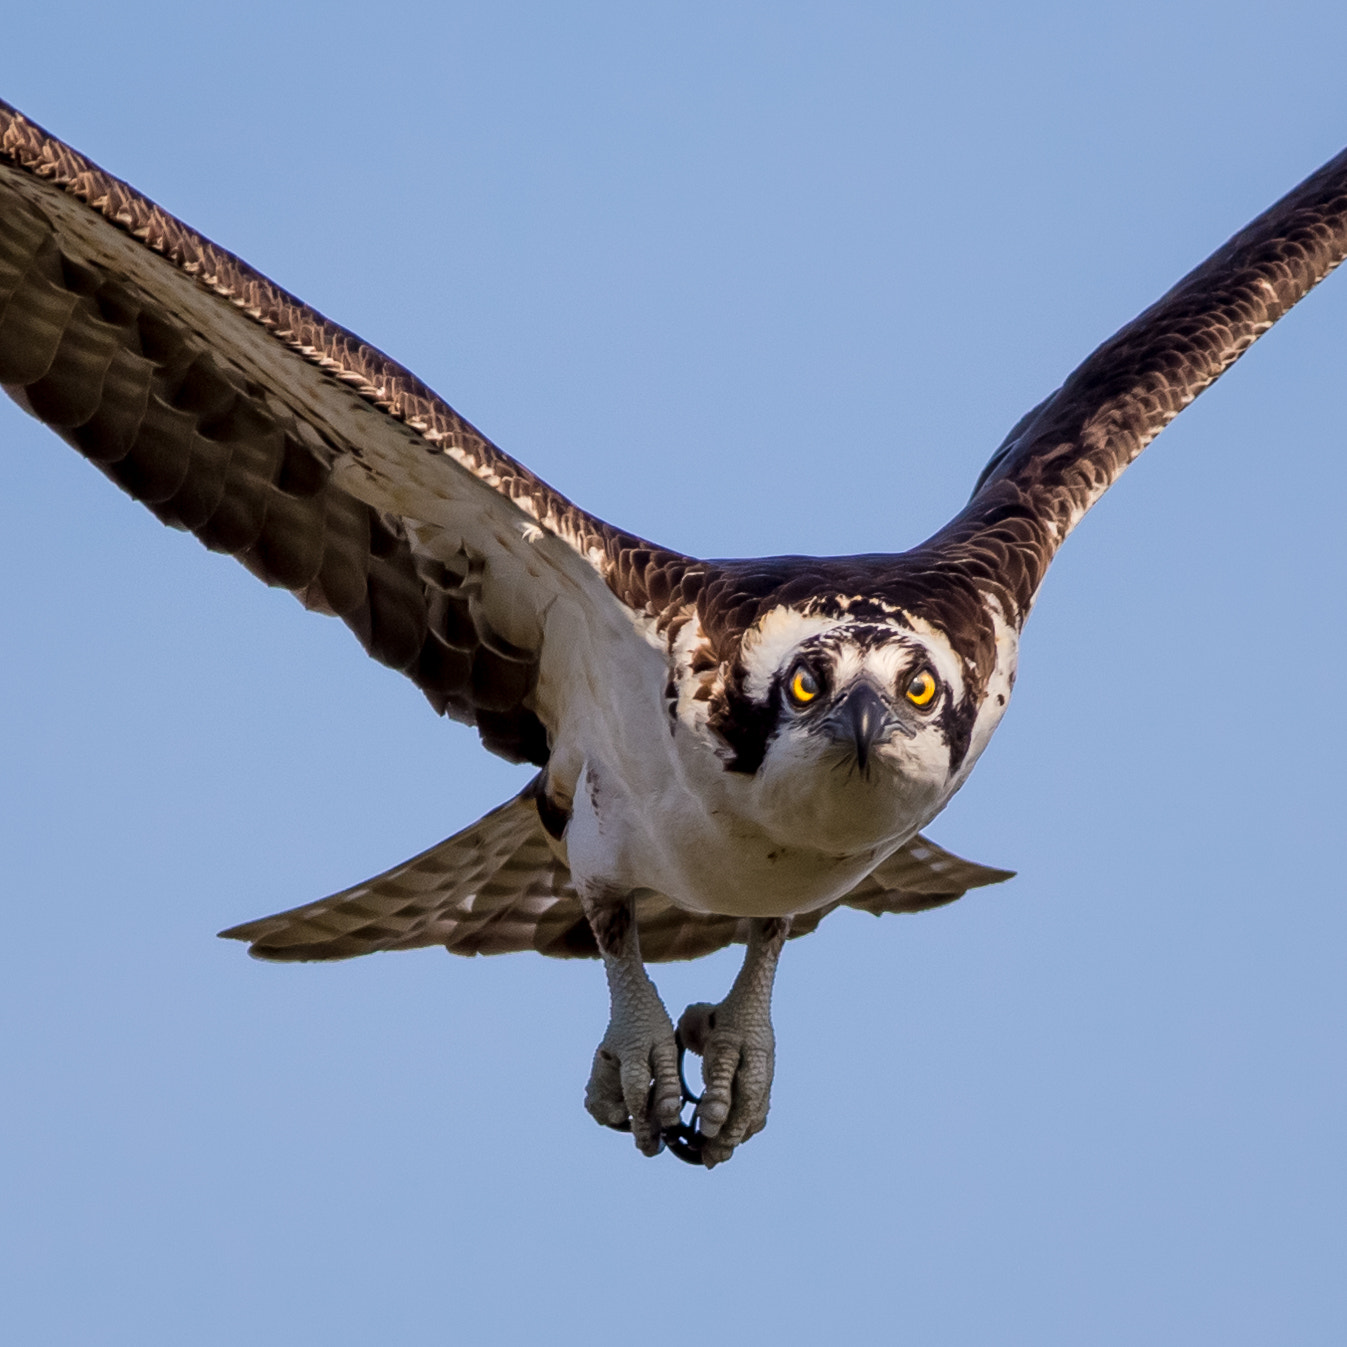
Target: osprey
(727, 750)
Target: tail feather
(452, 894)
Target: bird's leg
(737, 1047)
(634, 1082)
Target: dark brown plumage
(151, 395)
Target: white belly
(672, 818)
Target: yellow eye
(803, 686)
(921, 689)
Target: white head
(851, 733)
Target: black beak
(862, 718)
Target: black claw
(685, 1142)
(688, 1096)
(626, 1126)
(682, 1139)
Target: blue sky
(743, 278)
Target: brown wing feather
(235, 411)
(487, 889)
(921, 875)
(1065, 454)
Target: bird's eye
(803, 686)
(921, 688)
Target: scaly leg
(737, 1047)
(634, 1081)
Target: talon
(684, 1142)
(688, 1096)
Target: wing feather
(1061, 457)
(235, 411)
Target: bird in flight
(727, 751)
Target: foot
(737, 1046)
(634, 1084)
(738, 1062)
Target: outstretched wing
(236, 412)
(497, 888)
(1062, 456)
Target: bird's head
(855, 730)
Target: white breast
(666, 815)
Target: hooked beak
(862, 719)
